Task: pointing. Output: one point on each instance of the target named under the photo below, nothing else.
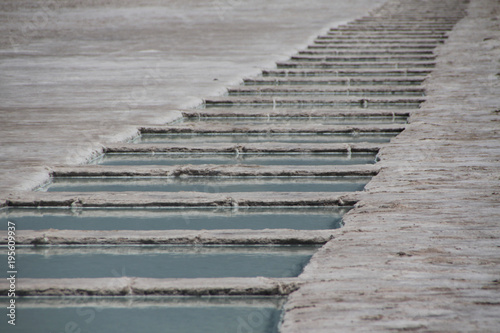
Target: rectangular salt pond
(263, 137)
(292, 121)
(146, 314)
(231, 158)
(181, 261)
(209, 184)
(299, 218)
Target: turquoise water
(263, 137)
(210, 184)
(231, 158)
(146, 314)
(293, 121)
(301, 218)
(186, 261)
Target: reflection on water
(187, 261)
(147, 314)
(299, 218)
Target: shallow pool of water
(231, 158)
(183, 261)
(293, 121)
(300, 218)
(146, 314)
(210, 184)
(264, 137)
